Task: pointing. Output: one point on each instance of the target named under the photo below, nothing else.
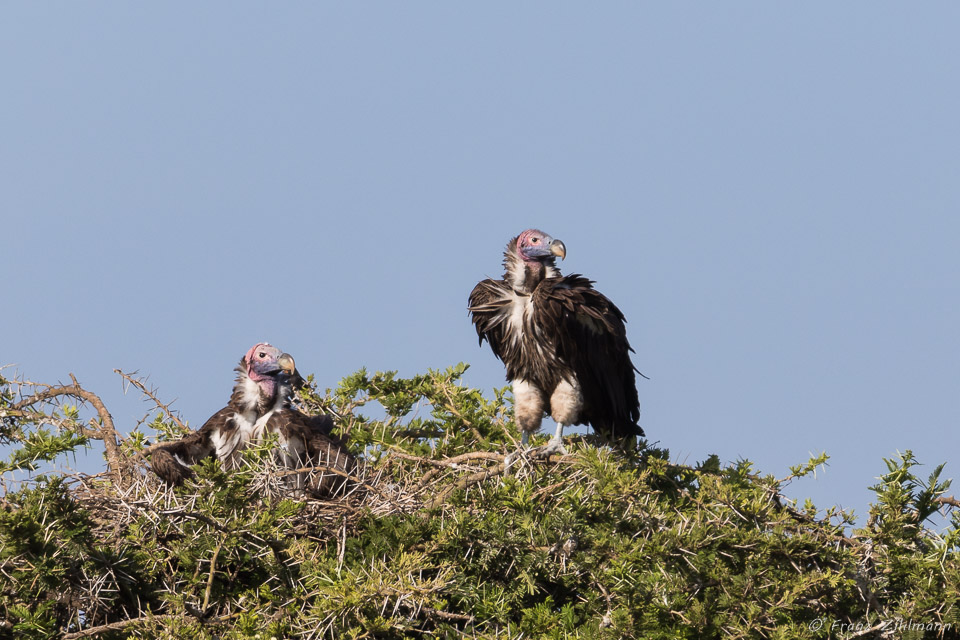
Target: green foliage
(28, 429)
(41, 445)
(447, 532)
(428, 413)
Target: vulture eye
(262, 355)
(534, 240)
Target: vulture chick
(260, 404)
(563, 342)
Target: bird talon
(555, 446)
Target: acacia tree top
(436, 537)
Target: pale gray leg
(565, 405)
(556, 443)
(528, 409)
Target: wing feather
(489, 310)
(591, 339)
(171, 461)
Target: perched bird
(563, 342)
(260, 404)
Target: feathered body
(260, 404)
(563, 342)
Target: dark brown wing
(313, 443)
(592, 340)
(490, 312)
(171, 461)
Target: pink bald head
(262, 361)
(535, 245)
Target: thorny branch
(105, 431)
(123, 624)
(467, 481)
(151, 393)
(948, 501)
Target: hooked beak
(286, 363)
(557, 248)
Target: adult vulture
(563, 342)
(260, 404)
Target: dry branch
(948, 500)
(467, 481)
(105, 431)
(123, 624)
(449, 462)
(151, 393)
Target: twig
(451, 406)
(813, 522)
(342, 546)
(440, 464)
(150, 393)
(344, 474)
(106, 432)
(213, 572)
(33, 415)
(449, 462)
(467, 481)
(446, 615)
(122, 624)
(607, 619)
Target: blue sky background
(768, 191)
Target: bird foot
(555, 446)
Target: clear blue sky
(769, 192)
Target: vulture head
(535, 245)
(530, 258)
(265, 375)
